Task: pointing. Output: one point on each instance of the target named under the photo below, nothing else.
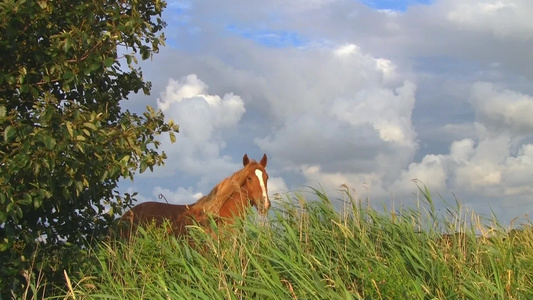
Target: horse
(227, 201)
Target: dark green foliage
(64, 139)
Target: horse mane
(213, 202)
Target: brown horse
(227, 200)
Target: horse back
(154, 212)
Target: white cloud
(389, 112)
(365, 184)
(277, 185)
(493, 170)
(345, 50)
(475, 176)
(349, 110)
(488, 167)
(199, 114)
(179, 196)
(431, 171)
(352, 54)
(354, 129)
(518, 172)
(203, 119)
(502, 109)
(509, 18)
(462, 151)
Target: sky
(373, 95)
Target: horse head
(255, 183)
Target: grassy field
(309, 250)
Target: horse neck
(235, 205)
(220, 194)
(212, 203)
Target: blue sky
(285, 38)
(347, 92)
(270, 38)
(396, 5)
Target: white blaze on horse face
(259, 175)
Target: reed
(315, 250)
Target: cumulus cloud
(496, 162)
(389, 112)
(518, 172)
(431, 171)
(200, 114)
(355, 127)
(494, 170)
(462, 151)
(203, 118)
(492, 166)
(502, 109)
(508, 18)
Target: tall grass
(310, 250)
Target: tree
(65, 67)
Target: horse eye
(249, 177)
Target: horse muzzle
(263, 206)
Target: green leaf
(49, 142)
(66, 193)
(2, 111)
(36, 169)
(69, 129)
(124, 161)
(90, 126)
(80, 148)
(172, 137)
(3, 217)
(68, 75)
(143, 166)
(80, 138)
(24, 88)
(95, 66)
(108, 62)
(9, 132)
(27, 199)
(10, 79)
(37, 202)
(43, 4)
(104, 176)
(4, 246)
(79, 186)
(68, 43)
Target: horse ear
(264, 161)
(245, 160)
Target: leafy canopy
(65, 142)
